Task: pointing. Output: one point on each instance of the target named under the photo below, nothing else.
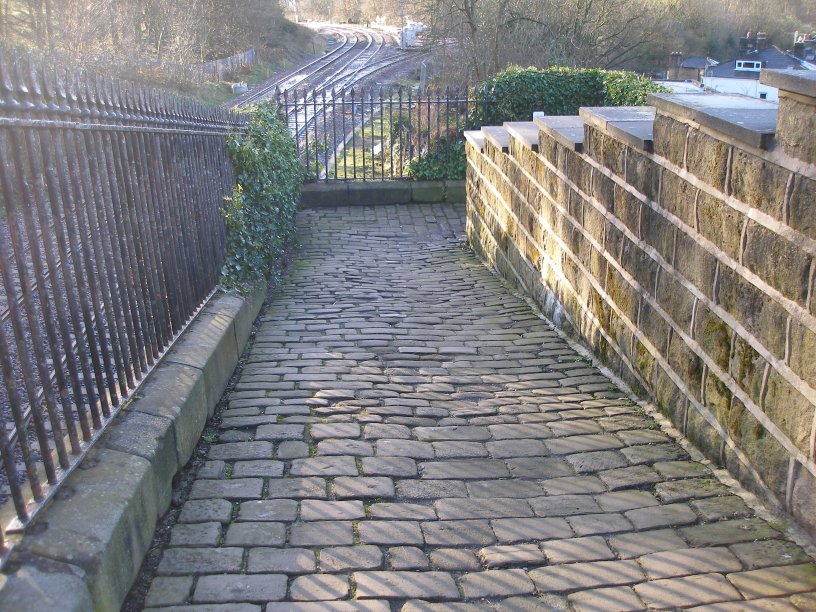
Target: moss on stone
(718, 341)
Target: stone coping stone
(604, 115)
(476, 138)
(497, 136)
(746, 119)
(379, 192)
(566, 130)
(29, 581)
(84, 550)
(371, 193)
(526, 132)
(634, 125)
(802, 82)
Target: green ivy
(260, 215)
(516, 93)
(447, 160)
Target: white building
(741, 76)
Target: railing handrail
(332, 126)
(111, 239)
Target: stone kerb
(84, 550)
(359, 193)
(678, 240)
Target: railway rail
(296, 78)
(373, 43)
(347, 71)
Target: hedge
(515, 93)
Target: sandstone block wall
(679, 242)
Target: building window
(763, 95)
(743, 65)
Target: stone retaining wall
(84, 550)
(678, 241)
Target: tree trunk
(49, 25)
(159, 46)
(34, 20)
(4, 24)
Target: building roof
(681, 86)
(770, 58)
(697, 62)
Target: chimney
(675, 59)
(799, 49)
(761, 41)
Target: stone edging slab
(351, 193)
(84, 550)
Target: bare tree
(183, 31)
(477, 38)
(470, 33)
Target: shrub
(515, 93)
(445, 160)
(260, 216)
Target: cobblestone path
(406, 432)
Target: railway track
(351, 39)
(320, 86)
(304, 72)
(306, 110)
(348, 68)
(309, 109)
(300, 118)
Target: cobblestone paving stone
(408, 435)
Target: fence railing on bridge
(227, 67)
(382, 133)
(221, 69)
(111, 239)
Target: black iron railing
(379, 134)
(111, 239)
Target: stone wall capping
(85, 549)
(382, 192)
(497, 136)
(802, 82)
(634, 125)
(526, 132)
(603, 115)
(400, 191)
(567, 131)
(354, 193)
(476, 139)
(745, 119)
(797, 113)
(324, 194)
